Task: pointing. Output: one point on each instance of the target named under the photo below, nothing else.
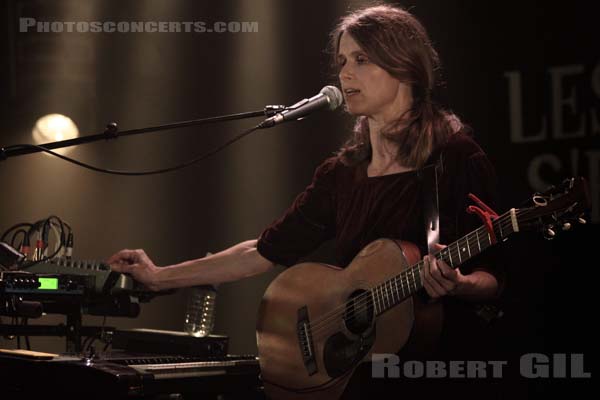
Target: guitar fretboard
(395, 290)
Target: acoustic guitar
(317, 322)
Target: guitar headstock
(557, 209)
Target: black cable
(14, 237)
(13, 244)
(63, 233)
(137, 173)
(62, 240)
(87, 343)
(6, 232)
(84, 345)
(43, 224)
(25, 322)
(94, 338)
(103, 338)
(68, 226)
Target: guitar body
(317, 322)
(311, 338)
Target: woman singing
(372, 188)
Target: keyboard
(123, 375)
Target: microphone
(330, 97)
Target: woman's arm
(237, 262)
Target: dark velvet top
(344, 204)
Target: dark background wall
(524, 75)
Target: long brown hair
(396, 41)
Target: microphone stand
(73, 331)
(112, 131)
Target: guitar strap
(429, 177)
(429, 196)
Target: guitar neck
(396, 289)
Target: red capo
(485, 213)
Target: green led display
(48, 283)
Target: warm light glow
(54, 127)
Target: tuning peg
(550, 232)
(581, 221)
(566, 226)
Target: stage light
(54, 127)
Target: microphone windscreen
(334, 95)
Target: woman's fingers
(439, 278)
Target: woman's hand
(137, 264)
(439, 279)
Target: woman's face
(369, 89)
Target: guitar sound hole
(358, 316)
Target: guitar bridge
(305, 341)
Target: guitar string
(373, 297)
(362, 301)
